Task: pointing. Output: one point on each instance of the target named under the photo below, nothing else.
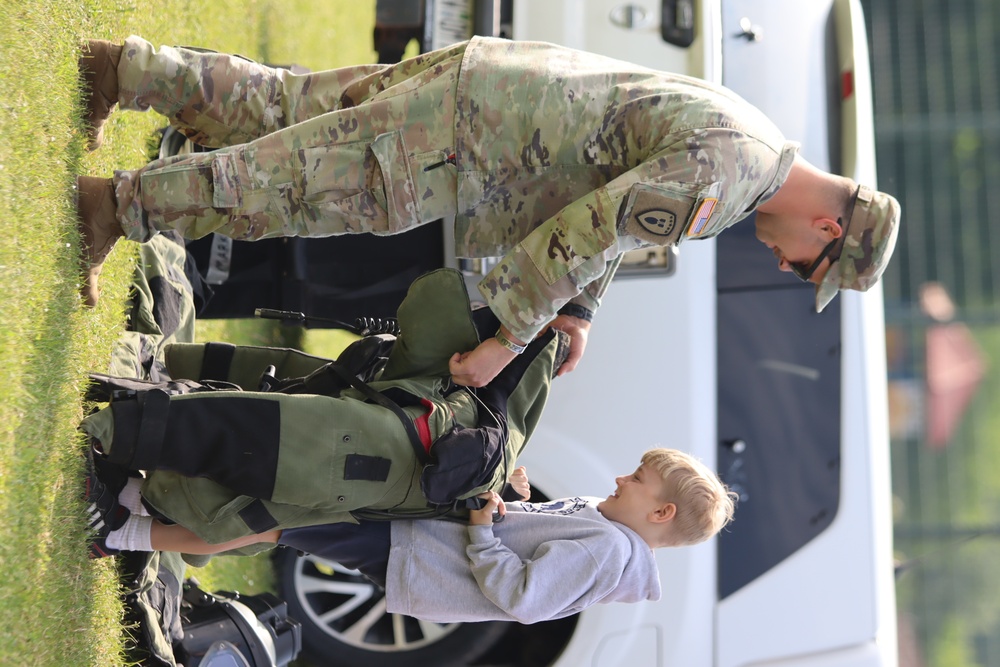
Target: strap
(152, 429)
(382, 400)
(216, 361)
(257, 518)
(431, 512)
(576, 310)
(140, 428)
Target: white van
(712, 351)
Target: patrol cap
(869, 239)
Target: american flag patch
(702, 216)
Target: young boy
(541, 562)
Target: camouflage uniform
(558, 160)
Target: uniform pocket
(340, 190)
(209, 501)
(401, 202)
(228, 190)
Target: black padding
(232, 440)
(367, 468)
(167, 301)
(126, 415)
(217, 361)
(486, 323)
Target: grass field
(56, 606)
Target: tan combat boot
(99, 65)
(99, 227)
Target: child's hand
(519, 482)
(484, 516)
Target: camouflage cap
(869, 239)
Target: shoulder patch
(657, 219)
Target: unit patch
(657, 218)
(660, 223)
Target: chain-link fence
(936, 76)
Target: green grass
(951, 589)
(56, 606)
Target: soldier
(557, 160)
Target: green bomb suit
(230, 463)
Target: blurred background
(937, 127)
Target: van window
(779, 409)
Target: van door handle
(677, 22)
(750, 31)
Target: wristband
(575, 310)
(509, 344)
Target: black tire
(361, 634)
(173, 143)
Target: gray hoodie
(544, 561)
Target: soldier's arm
(569, 258)
(552, 265)
(572, 256)
(589, 299)
(480, 365)
(579, 333)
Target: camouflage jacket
(567, 159)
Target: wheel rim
(352, 610)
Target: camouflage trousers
(351, 150)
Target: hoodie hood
(640, 579)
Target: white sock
(130, 497)
(134, 535)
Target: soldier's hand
(476, 368)
(578, 330)
(484, 516)
(519, 482)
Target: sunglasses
(803, 272)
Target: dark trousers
(363, 546)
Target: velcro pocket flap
(227, 191)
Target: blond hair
(704, 504)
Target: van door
(671, 35)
